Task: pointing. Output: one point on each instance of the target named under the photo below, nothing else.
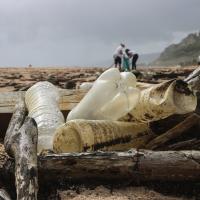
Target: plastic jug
(112, 96)
(42, 103)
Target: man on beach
(134, 58)
(118, 55)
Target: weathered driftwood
(186, 144)
(193, 79)
(134, 165)
(68, 99)
(21, 143)
(142, 165)
(4, 195)
(174, 132)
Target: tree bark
(134, 165)
(186, 145)
(174, 132)
(21, 143)
(4, 195)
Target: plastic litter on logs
(92, 135)
(111, 97)
(113, 115)
(155, 102)
(162, 100)
(42, 103)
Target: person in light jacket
(118, 55)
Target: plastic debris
(42, 103)
(162, 100)
(112, 96)
(93, 135)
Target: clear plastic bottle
(42, 103)
(112, 96)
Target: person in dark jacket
(134, 57)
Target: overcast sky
(86, 32)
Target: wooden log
(133, 165)
(142, 165)
(14, 126)
(174, 132)
(192, 76)
(186, 145)
(68, 99)
(4, 195)
(21, 143)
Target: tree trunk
(174, 132)
(21, 143)
(4, 195)
(187, 144)
(134, 165)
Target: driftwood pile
(164, 164)
(18, 79)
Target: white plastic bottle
(86, 85)
(42, 103)
(162, 100)
(111, 97)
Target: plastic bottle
(86, 85)
(42, 103)
(92, 135)
(162, 100)
(112, 96)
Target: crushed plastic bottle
(112, 96)
(162, 100)
(42, 103)
(92, 135)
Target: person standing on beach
(118, 55)
(134, 57)
(126, 60)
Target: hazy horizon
(85, 33)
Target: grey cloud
(84, 32)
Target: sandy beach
(20, 79)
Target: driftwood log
(4, 195)
(21, 143)
(174, 132)
(134, 166)
(186, 144)
(142, 165)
